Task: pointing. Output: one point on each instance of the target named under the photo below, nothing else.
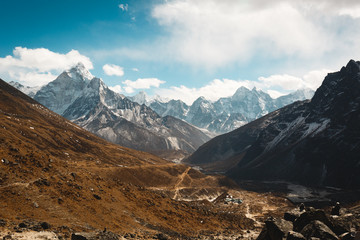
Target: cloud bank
(213, 34)
(35, 67)
(226, 87)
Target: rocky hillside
(58, 180)
(311, 142)
(88, 102)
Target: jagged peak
(80, 72)
(352, 67)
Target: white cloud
(311, 80)
(38, 66)
(212, 34)
(124, 7)
(113, 70)
(135, 69)
(141, 83)
(274, 85)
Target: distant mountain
(313, 142)
(30, 91)
(226, 114)
(87, 101)
(143, 98)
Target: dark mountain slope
(314, 143)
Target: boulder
(295, 236)
(278, 228)
(107, 236)
(309, 216)
(292, 215)
(45, 225)
(264, 235)
(83, 236)
(95, 236)
(347, 236)
(318, 229)
(343, 223)
(336, 209)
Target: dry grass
(54, 171)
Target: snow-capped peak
(80, 72)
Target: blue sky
(180, 48)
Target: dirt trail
(181, 179)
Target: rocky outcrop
(311, 224)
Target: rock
(295, 236)
(347, 236)
(7, 237)
(292, 215)
(95, 236)
(263, 234)
(36, 205)
(319, 230)
(309, 216)
(277, 228)
(161, 236)
(97, 196)
(45, 225)
(83, 236)
(5, 161)
(42, 182)
(343, 223)
(107, 236)
(336, 209)
(22, 225)
(302, 207)
(2, 223)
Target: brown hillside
(51, 170)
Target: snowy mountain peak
(79, 72)
(241, 92)
(140, 98)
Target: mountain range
(225, 114)
(87, 101)
(313, 142)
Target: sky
(180, 49)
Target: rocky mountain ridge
(225, 114)
(88, 102)
(311, 142)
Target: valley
(59, 180)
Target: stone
(318, 229)
(343, 223)
(2, 223)
(347, 236)
(22, 225)
(107, 235)
(45, 225)
(278, 228)
(263, 234)
(83, 236)
(292, 215)
(309, 216)
(295, 236)
(161, 236)
(97, 196)
(336, 209)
